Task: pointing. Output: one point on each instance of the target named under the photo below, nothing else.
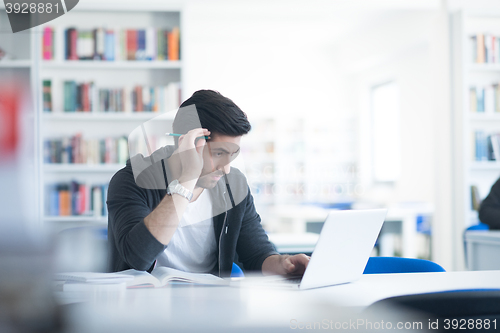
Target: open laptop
(342, 251)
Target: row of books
(486, 147)
(485, 48)
(485, 98)
(86, 97)
(74, 198)
(76, 150)
(114, 44)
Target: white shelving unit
(466, 73)
(15, 64)
(105, 74)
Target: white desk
(228, 309)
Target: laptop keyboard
(293, 280)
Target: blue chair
(236, 271)
(479, 226)
(385, 265)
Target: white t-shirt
(193, 247)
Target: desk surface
(373, 287)
(230, 308)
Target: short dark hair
(217, 113)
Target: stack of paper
(91, 281)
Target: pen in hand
(175, 134)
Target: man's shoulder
(124, 173)
(123, 178)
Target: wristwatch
(176, 188)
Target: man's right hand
(186, 165)
(190, 154)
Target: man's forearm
(162, 222)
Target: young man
(184, 206)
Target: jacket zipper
(220, 238)
(222, 229)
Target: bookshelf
(87, 112)
(477, 114)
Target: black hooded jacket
(134, 192)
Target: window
(386, 140)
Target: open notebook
(161, 276)
(132, 278)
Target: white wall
(411, 72)
(267, 63)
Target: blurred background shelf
(97, 220)
(15, 63)
(109, 65)
(103, 116)
(81, 168)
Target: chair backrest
(455, 304)
(82, 249)
(384, 265)
(236, 271)
(479, 226)
(476, 227)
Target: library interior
(360, 107)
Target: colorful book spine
(480, 99)
(64, 200)
(173, 44)
(110, 45)
(84, 45)
(131, 44)
(47, 95)
(76, 198)
(481, 144)
(150, 49)
(71, 44)
(140, 53)
(160, 45)
(48, 47)
(99, 43)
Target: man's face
(217, 156)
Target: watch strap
(176, 188)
